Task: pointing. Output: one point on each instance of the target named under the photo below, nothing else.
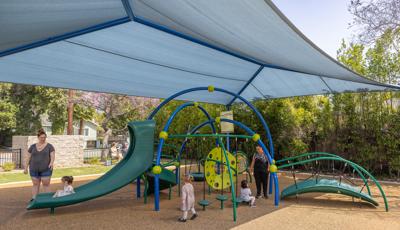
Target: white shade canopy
(154, 48)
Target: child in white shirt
(187, 200)
(245, 194)
(68, 189)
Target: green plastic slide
(167, 179)
(326, 186)
(137, 161)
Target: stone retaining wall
(69, 148)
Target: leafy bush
(298, 147)
(94, 161)
(8, 166)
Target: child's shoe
(182, 220)
(194, 216)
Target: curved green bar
(332, 155)
(208, 135)
(349, 162)
(220, 162)
(138, 160)
(326, 186)
(230, 178)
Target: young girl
(68, 189)
(245, 194)
(187, 200)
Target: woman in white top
(245, 194)
(68, 189)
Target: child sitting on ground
(188, 200)
(245, 194)
(68, 189)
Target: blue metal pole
(157, 192)
(276, 189)
(270, 183)
(245, 85)
(157, 178)
(227, 143)
(138, 187)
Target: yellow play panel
(216, 168)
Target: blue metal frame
(246, 85)
(274, 176)
(65, 36)
(177, 110)
(132, 17)
(263, 122)
(128, 9)
(258, 114)
(161, 143)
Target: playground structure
(138, 163)
(220, 168)
(335, 185)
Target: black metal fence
(11, 156)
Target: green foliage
(94, 161)
(7, 115)
(83, 112)
(8, 166)
(8, 109)
(30, 102)
(298, 147)
(57, 110)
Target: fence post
(20, 158)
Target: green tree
(83, 112)
(57, 110)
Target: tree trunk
(105, 151)
(70, 110)
(398, 174)
(81, 127)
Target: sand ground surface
(121, 210)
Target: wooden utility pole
(70, 109)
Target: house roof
(155, 48)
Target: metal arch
(258, 114)
(161, 143)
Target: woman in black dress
(260, 169)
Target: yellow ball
(156, 169)
(256, 137)
(196, 104)
(218, 120)
(211, 88)
(163, 135)
(273, 168)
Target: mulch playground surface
(121, 210)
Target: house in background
(89, 131)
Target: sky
(324, 22)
